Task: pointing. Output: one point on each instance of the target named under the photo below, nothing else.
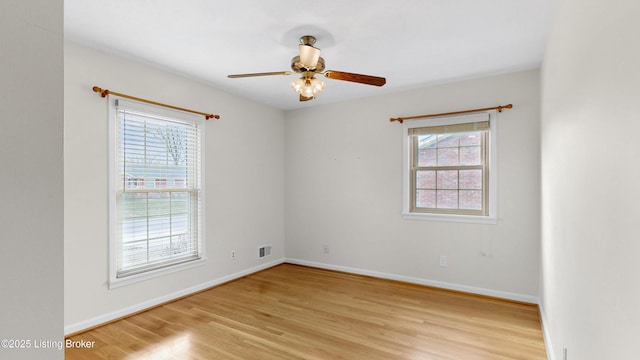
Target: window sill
(473, 219)
(132, 279)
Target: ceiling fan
(308, 64)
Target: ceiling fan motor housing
(299, 67)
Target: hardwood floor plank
(296, 312)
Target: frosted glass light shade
(309, 56)
(308, 87)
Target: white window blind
(157, 175)
(450, 168)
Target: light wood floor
(295, 312)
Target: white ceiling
(412, 43)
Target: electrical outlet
(325, 249)
(234, 255)
(443, 261)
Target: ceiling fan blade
(359, 78)
(305, 98)
(235, 76)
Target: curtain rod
(106, 92)
(499, 108)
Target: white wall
(244, 184)
(31, 233)
(341, 187)
(590, 176)
(344, 189)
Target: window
(450, 168)
(156, 191)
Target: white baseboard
(413, 280)
(102, 319)
(546, 334)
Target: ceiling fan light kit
(308, 88)
(309, 63)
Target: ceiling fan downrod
(307, 40)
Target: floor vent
(264, 251)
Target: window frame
(490, 170)
(114, 189)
